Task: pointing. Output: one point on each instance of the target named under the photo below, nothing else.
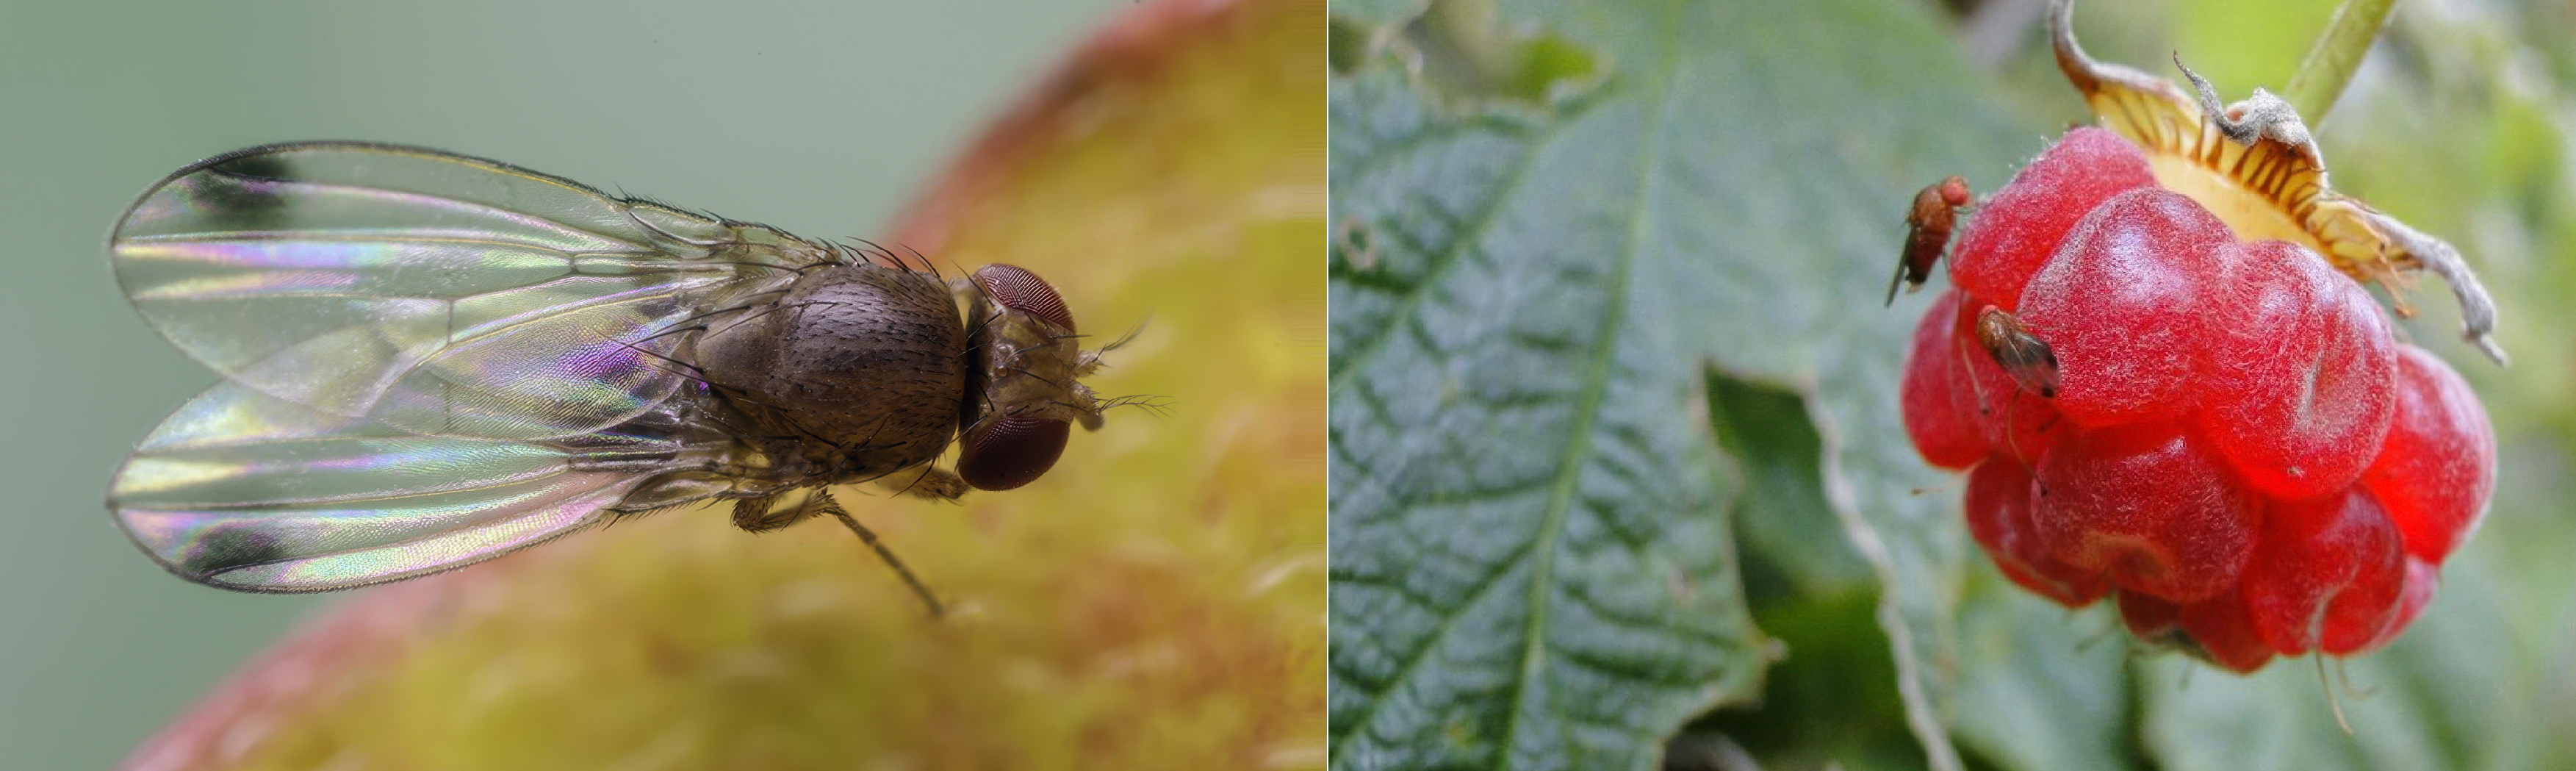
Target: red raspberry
(1934, 419)
(2437, 466)
(2221, 632)
(2122, 304)
(2017, 229)
(2225, 433)
(2235, 441)
(2326, 575)
(2152, 620)
(2301, 366)
(2218, 631)
(2149, 507)
(1999, 517)
(2421, 579)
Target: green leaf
(1531, 567)
(2040, 687)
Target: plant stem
(2329, 64)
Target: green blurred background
(820, 118)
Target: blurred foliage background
(1158, 598)
(1780, 147)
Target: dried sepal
(2255, 164)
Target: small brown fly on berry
(2027, 358)
(1927, 232)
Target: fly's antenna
(1152, 404)
(1129, 337)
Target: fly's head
(1024, 391)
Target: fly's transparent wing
(436, 293)
(246, 491)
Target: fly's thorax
(853, 370)
(1025, 393)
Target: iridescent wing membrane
(431, 359)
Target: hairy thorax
(855, 372)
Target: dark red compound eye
(1016, 288)
(1011, 451)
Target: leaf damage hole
(1809, 591)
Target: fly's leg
(925, 481)
(773, 511)
(822, 503)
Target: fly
(2032, 364)
(1927, 232)
(431, 360)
